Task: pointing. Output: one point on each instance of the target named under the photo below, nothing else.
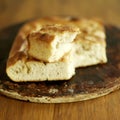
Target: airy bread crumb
(32, 70)
(90, 44)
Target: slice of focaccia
(51, 42)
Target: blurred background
(15, 11)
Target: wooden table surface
(103, 108)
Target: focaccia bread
(88, 48)
(51, 42)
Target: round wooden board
(90, 82)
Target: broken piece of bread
(51, 42)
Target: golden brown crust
(48, 32)
(44, 37)
(58, 28)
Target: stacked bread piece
(51, 48)
(51, 42)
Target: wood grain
(16, 11)
(104, 108)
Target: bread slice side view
(33, 70)
(51, 42)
